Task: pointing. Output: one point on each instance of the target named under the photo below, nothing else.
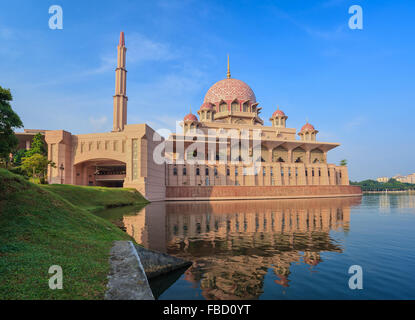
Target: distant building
(382, 179)
(410, 178)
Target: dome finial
(228, 74)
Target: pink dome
(190, 117)
(228, 90)
(206, 105)
(307, 127)
(278, 113)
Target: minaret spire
(228, 74)
(122, 41)
(120, 97)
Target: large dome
(229, 89)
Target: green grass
(42, 226)
(97, 198)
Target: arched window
(299, 155)
(280, 154)
(223, 107)
(197, 171)
(245, 107)
(317, 156)
(235, 106)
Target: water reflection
(234, 244)
(399, 200)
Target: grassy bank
(96, 198)
(42, 226)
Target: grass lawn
(42, 226)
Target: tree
(8, 121)
(343, 162)
(37, 146)
(18, 156)
(36, 166)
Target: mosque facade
(223, 152)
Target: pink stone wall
(258, 192)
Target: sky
(355, 86)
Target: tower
(120, 98)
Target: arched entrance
(100, 172)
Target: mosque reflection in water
(232, 244)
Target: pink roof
(206, 105)
(190, 117)
(307, 127)
(229, 90)
(278, 113)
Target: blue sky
(355, 86)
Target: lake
(283, 249)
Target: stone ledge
(130, 268)
(127, 279)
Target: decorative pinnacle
(228, 74)
(122, 42)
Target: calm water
(284, 249)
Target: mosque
(224, 152)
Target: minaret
(120, 98)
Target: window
(263, 171)
(228, 172)
(319, 173)
(296, 172)
(207, 171)
(282, 172)
(271, 171)
(197, 171)
(235, 107)
(312, 172)
(245, 107)
(184, 171)
(236, 171)
(289, 172)
(328, 173)
(223, 107)
(175, 171)
(215, 171)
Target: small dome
(278, 113)
(190, 117)
(206, 106)
(307, 127)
